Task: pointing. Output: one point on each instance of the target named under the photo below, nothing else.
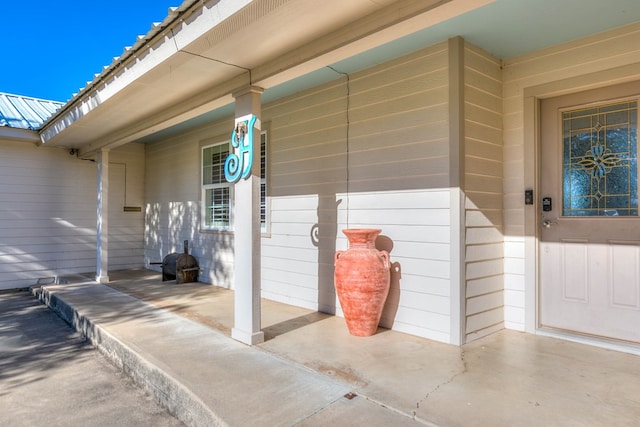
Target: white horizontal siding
(572, 66)
(367, 151)
(48, 213)
(370, 150)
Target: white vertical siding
(370, 150)
(570, 67)
(483, 190)
(48, 214)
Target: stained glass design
(600, 160)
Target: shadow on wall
(180, 221)
(384, 243)
(48, 221)
(323, 237)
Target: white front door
(590, 228)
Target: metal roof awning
(21, 117)
(22, 112)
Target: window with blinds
(216, 190)
(217, 193)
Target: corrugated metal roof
(24, 112)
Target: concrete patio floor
(506, 379)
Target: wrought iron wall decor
(239, 162)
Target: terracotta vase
(362, 278)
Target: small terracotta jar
(362, 278)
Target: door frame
(532, 97)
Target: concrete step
(203, 377)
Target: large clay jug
(362, 281)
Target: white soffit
(189, 68)
(194, 65)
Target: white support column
(102, 247)
(246, 214)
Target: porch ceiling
(185, 74)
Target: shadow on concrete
(290, 325)
(25, 326)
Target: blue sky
(52, 48)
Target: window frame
(265, 227)
(205, 187)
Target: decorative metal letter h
(239, 162)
